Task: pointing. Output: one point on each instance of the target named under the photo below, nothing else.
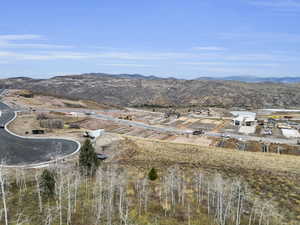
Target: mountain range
(138, 90)
(253, 79)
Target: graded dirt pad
(198, 140)
(140, 132)
(270, 176)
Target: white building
(243, 118)
(94, 133)
(290, 133)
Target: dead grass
(52, 102)
(154, 150)
(270, 176)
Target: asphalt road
(24, 151)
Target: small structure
(244, 118)
(94, 133)
(38, 131)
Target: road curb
(43, 164)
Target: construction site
(256, 131)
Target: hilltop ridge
(137, 90)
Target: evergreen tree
(48, 183)
(88, 161)
(152, 174)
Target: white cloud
(146, 56)
(20, 37)
(230, 64)
(278, 5)
(33, 46)
(13, 41)
(261, 36)
(124, 65)
(210, 59)
(52, 55)
(208, 48)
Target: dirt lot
(139, 132)
(25, 123)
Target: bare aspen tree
(208, 198)
(238, 213)
(38, 191)
(60, 190)
(2, 183)
(145, 193)
(69, 201)
(189, 214)
(23, 180)
(76, 184)
(99, 197)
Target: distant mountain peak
(254, 79)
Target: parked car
(198, 132)
(102, 156)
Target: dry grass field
(270, 176)
(15, 97)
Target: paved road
(23, 151)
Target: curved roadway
(22, 151)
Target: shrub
(152, 174)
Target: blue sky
(184, 39)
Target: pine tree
(48, 183)
(88, 161)
(152, 174)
